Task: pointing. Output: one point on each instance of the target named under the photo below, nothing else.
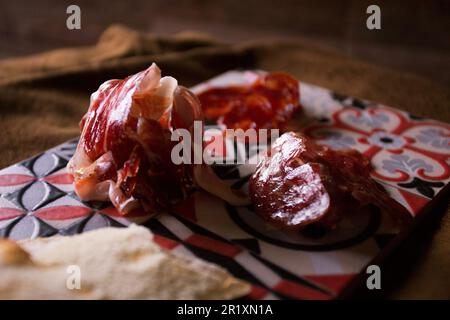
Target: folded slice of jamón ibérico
(124, 152)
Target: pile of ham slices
(123, 155)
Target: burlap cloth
(42, 98)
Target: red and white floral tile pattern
(410, 157)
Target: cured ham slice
(268, 103)
(125, 146)
(300, 183)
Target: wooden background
(414, 36)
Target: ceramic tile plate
(410, 156)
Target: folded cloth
(42, 98)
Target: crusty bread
(114, 263)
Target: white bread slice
(114, 263)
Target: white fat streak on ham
(209, 181)
(187, 106)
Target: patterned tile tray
(411, 159)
